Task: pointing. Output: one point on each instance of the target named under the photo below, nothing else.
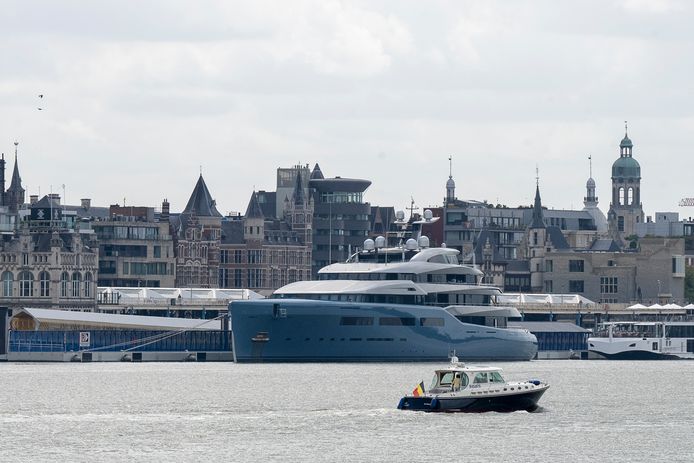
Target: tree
(689, 284)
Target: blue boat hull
(294, 330)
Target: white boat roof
(107, 320)
(398, 267)
(352, 287)
(469, 368)
(483, 310)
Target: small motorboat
(474, 388)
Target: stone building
(264, 253)
(626, 210)
(47, 264)
(197, 233)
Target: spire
(590, 198)
(538, 216)
(450, 184)
(16, 182)
(201, 202)
(298, 196)
(253, 211)
(626, 145)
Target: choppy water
(594, 411)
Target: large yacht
(408, 303)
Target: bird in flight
(40, 97)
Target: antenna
(537, 175)
(590, 161)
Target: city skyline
(136, 107)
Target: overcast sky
(140, 95)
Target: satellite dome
(428, 215)
(369, 245)
(380, 242)
(400, 216)
(423, 241)
(411, 244)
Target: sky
(140, 97)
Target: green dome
(626, 142)
(626, 167)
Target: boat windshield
(495, 377)
(448, 380)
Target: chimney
(55, 197)
(86, 203)
(33, 199)
(164, 216)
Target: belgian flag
(419, 390)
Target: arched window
(76, 283)
(88, 284)
(64, 278)
(630, 196)
(26, 284)
(621, 196)
(44, 284)
(7, 280)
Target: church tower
(299, 212)
(537, 238)
(625, 209)
(590, 203)
(450, 184)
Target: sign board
(85, 338)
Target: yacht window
(495, 377)
(429, 321)
(356, 321)
(480, 378)
(396, 321)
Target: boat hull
(526, 401)
(295, 330)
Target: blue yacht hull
(295, 330)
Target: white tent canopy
(522, 298)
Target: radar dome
(380, 242)
(411, 244)
(423, 241)
(369, 245)
(400, 216)
(428, 215)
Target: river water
(594, 411)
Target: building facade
(197, 233)
(135, 249)
(264, 253)
(47, 264)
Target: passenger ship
(634, 340)
(409, 303)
